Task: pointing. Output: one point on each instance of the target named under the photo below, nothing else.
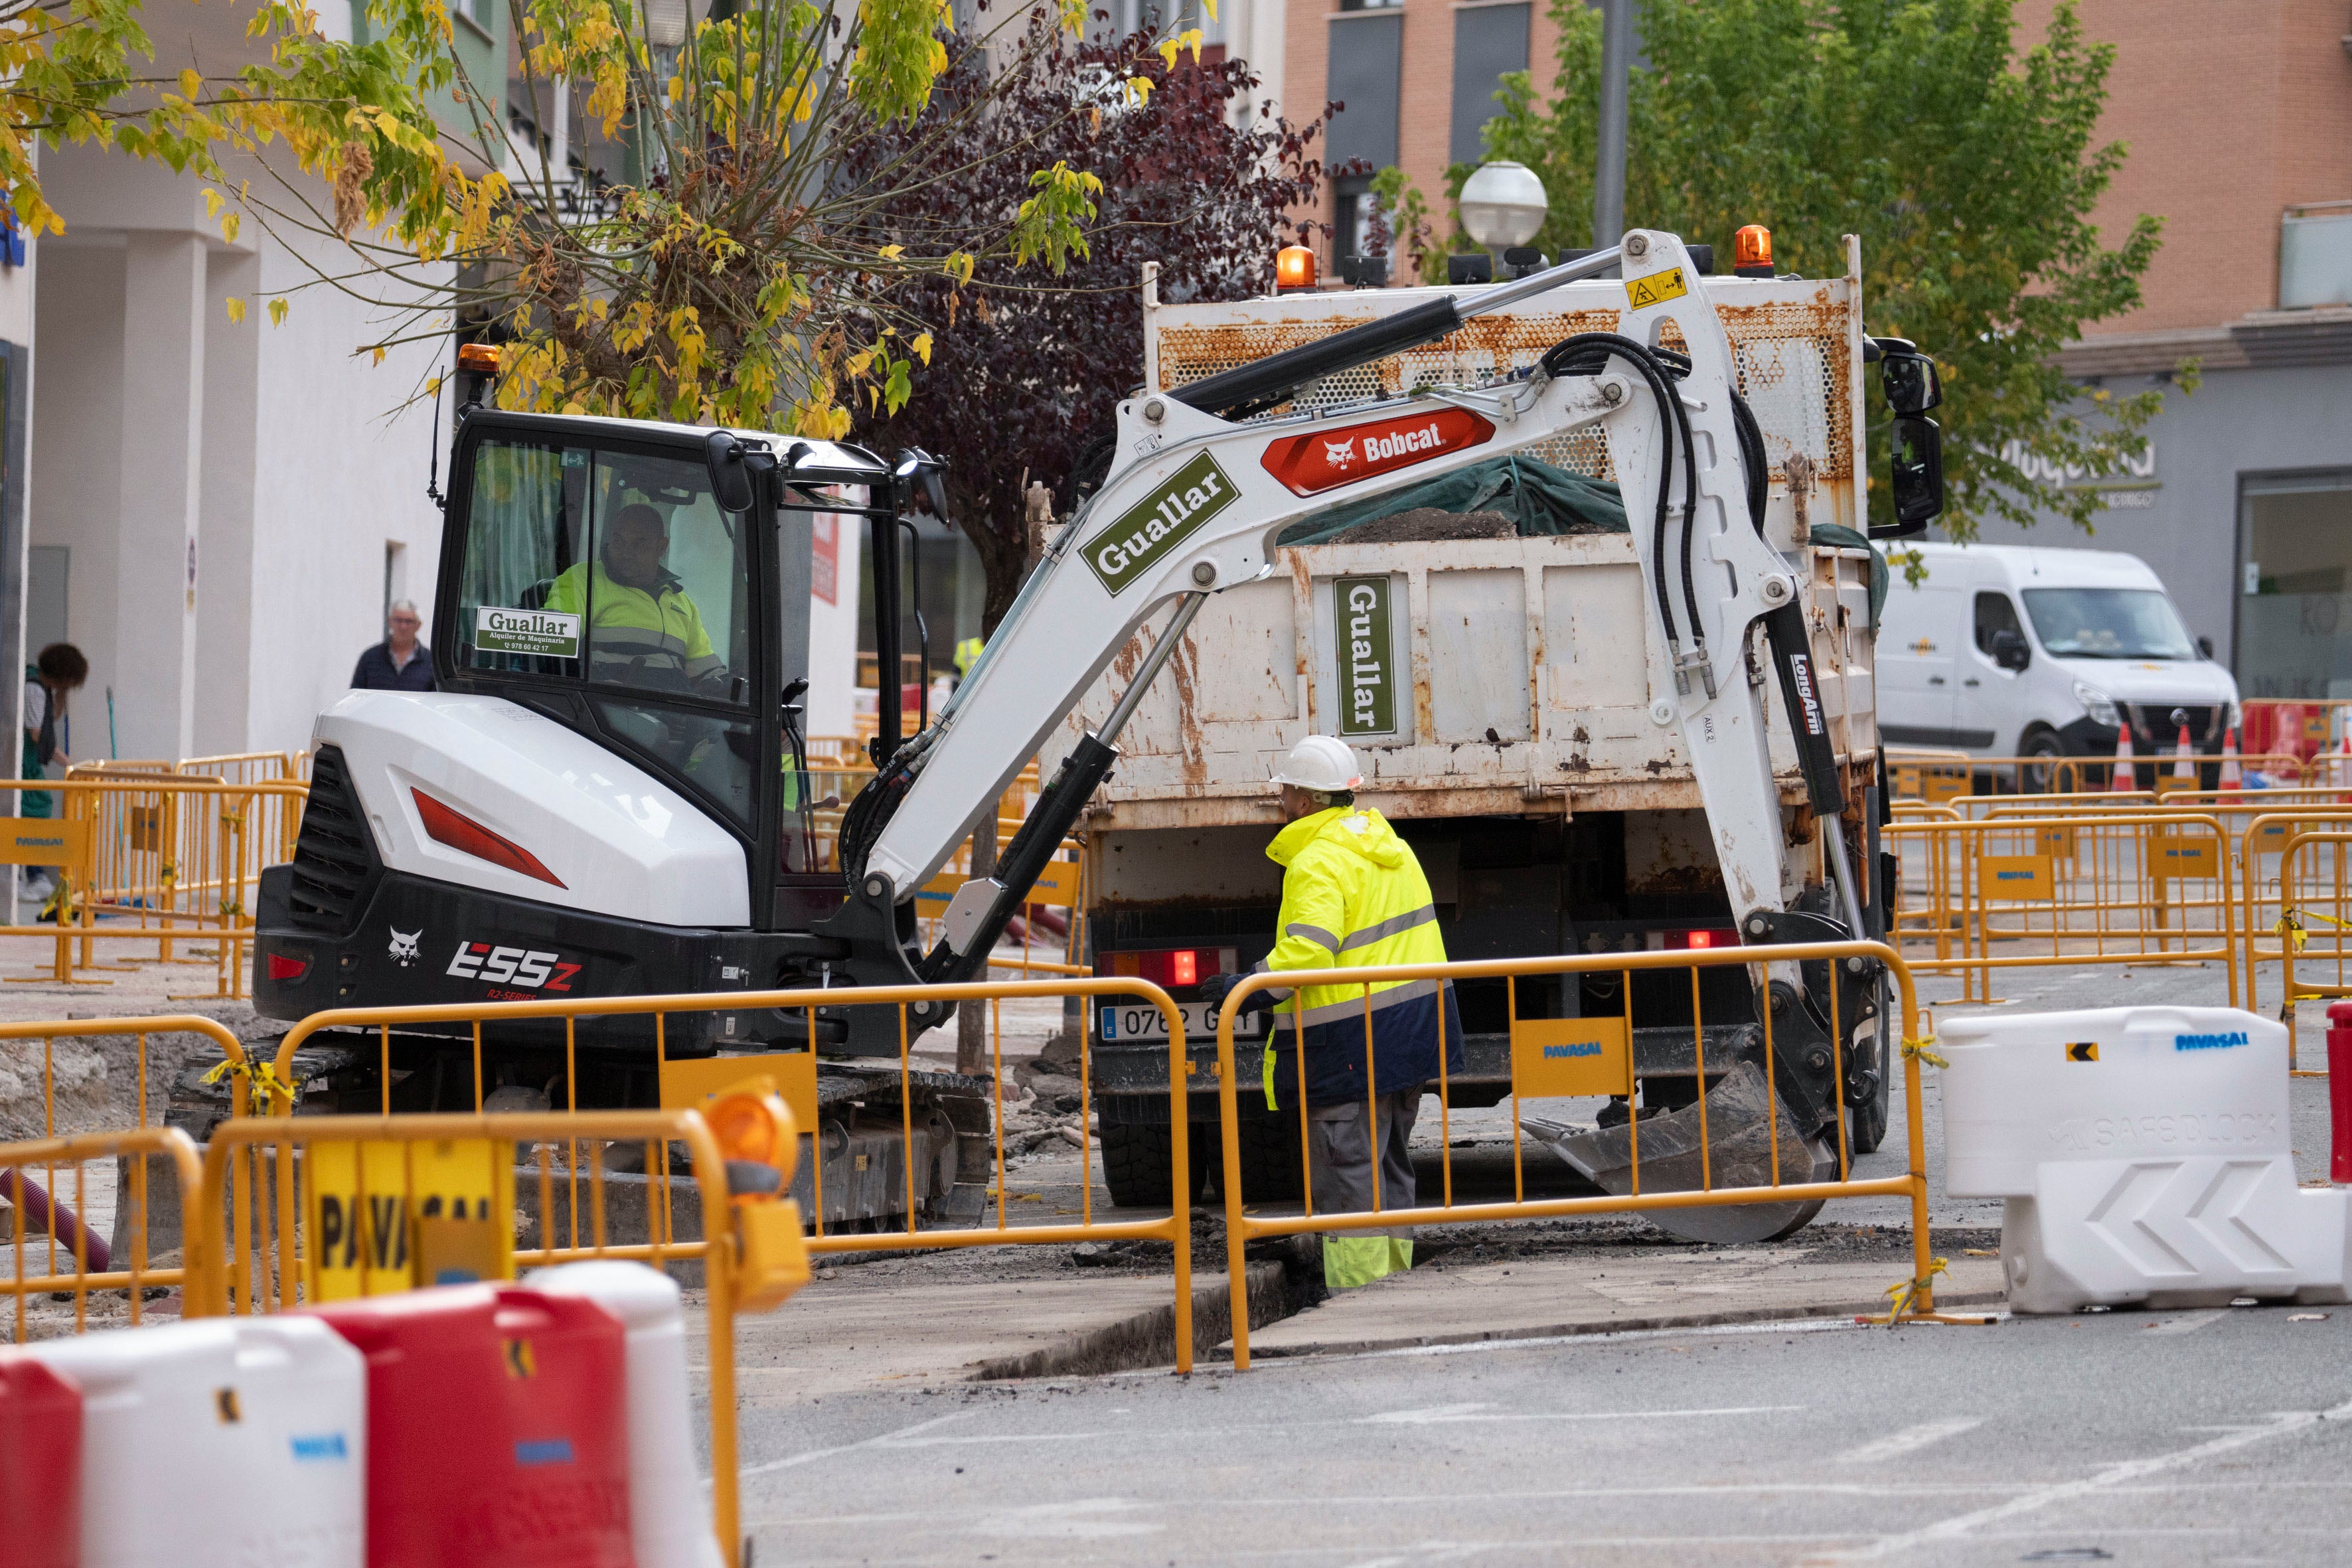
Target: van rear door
(1923, 629)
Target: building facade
(1417, 79)
(216, 511)
(2243, 504)
(2238, 118)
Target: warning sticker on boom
(1657, 289)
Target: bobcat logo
(1339, 453)
(403, 945)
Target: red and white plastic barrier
(529, 1426)
(216, 1443)
(496, 1428)
(40, 1480)
(669, 1524)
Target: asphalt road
(2219, 1438)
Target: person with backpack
(60, 669)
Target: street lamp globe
(1502, 205)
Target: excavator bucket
(1728, 1139)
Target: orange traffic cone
(2123, 776)
(2231, 777)
(2184, 761)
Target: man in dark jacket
(400, 662)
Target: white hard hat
(1321, 763)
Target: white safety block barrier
(219, 1443)
(2144, 1154)
(669, 1524)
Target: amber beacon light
(1294, 268)
(1751, 252)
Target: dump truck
(1494, 653)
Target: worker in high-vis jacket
(1354, 897)
(644, 627)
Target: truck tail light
(1703, 939)
(1177, 966)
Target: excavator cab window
(616, 572)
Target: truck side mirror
(1919, 464)
(1907, 376)
(731, 475)
(2205, 647)
(2009, 650)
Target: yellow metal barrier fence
(245, 767)
(411, 1194)
(1915, 1301)
(159, 859)
(2115, 887)
(2301, 926)
(795, 1073)
(114, 1190)
(50, 1244)
(1940, 777)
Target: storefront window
(2294, 602)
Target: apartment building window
(1351, 217)
(1489, 42)
(1367, 52)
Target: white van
(2022, 651)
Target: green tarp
(1540, 499)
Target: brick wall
(2232, 110)
(1425, 94)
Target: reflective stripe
(1350, 1261)
(1353, 1007)
(1317, 935)
(615, 635)
(1389, 927)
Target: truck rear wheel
(1269, 1150)
(1136, 1158)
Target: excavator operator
(640, 616)
(1353, 896)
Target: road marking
(1433, 1552)
(1089, 1518)
(887, 1440)
(1454, 1413)
(2280, 1424)
(2193, 1321)
(1911, 1439)
(1618, 1336)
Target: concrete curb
(1612, 1326)
(1148, 1339)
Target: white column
(163, 298)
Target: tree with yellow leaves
(736, 276)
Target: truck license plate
(1139, 1022)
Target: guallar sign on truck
(1503, 691)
